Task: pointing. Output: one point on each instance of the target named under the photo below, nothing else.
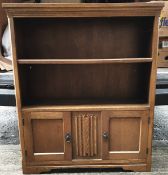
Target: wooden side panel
(45, 136)
(152, 87)
(17, 86)
(127, 134)
(86, 137)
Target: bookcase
(85, 84)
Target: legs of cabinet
(40, 169)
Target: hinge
(148, 120)
(23, 121)
(147, 150)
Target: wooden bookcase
(85, 84)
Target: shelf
(82, 38)
(85, 107)
(83, 61)
(84, 83)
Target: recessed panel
(124, 134)
(86, 135)
(47, 136)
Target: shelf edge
(86, 107)
(83, 61)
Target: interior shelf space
(67, 38)
(74, 84)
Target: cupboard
(85, 83)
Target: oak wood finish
(83, 61)
(152, 89)
(87, 135)
(122, 128)
(87, 107)
(44, 136)
(85, 84)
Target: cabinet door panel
(123, 131)
(86, 135)
(127, 133)
(43, 141)
(45, 136)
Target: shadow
(85, 170)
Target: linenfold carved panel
(85, 133)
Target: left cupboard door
(47, 136)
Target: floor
(10, 155)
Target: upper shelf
(83, 9)
(83, 38)
(83, 61)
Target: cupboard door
(47, 136)
(124, 134)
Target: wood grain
(44, 136)
(85, 10)
(128, 134)
(83, 61)
(85, 128)
(85, 83)
(94, 107)
(152, 88)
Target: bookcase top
(82, 9)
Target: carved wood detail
(86, 128)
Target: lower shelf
(122, 83)
(86, 107)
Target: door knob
(68, 137)
(105, 135)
